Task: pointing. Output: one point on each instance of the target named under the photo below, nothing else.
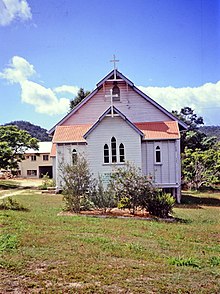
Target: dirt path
(12, 193)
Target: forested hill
(211, 131)
(33, 130)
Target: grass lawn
(41, 252)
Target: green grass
(45, 253)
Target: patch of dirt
(116, 213)
(28, 182)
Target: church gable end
(136, 105)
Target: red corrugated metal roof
(159, 130)
(151, 131)
(53, 150)
(72, 133)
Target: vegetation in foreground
(41, 252)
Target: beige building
(37, 162)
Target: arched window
(114, 151)
(106, 154)
(116, 91)
(122, 152)
(158, 155)
(74, 156)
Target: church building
(118, 123)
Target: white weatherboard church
(117, 123)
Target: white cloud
(19, 70)
(67, 89)
(11, 10)
(200, 98)
(43, 99)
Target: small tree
(13, 144)
(77, 183)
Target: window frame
(106, 157)
(45, 156)
(32, 172)
(74, 156)
(121, 153)
(114, 158)
(116, 91)
(157, 152)
(33, 158)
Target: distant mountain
(211, 131)
(33, 130)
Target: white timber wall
(131, 104)
(112, 127)
(64, 156)
(167, 173)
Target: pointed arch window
(158, 154)
(116, 91)
(114, 150)
(122, 152)
(74, 156)
(106, 153)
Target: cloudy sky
(49, 49)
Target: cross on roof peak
(114, 60)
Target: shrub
(103, 198)
(47, 182)
(160, 204)
(11, 204)
(78, 184)
(131, 188)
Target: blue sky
(48, 49)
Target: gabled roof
(159, 130)
(148, 130)
(117, 112)
(110, 77)
(67, 134)
(119, 76)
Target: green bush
(132, 189)
(102, 197)
(78, 184)
(11, 204)
(47, 182)
(160, 204)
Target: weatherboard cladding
(102, 135)
(166, 173)
(131, 104)
(136, 105)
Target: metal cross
(111, 97)
(114, 61)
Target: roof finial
(114, 60)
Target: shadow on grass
(8, 186)
(194, 201)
